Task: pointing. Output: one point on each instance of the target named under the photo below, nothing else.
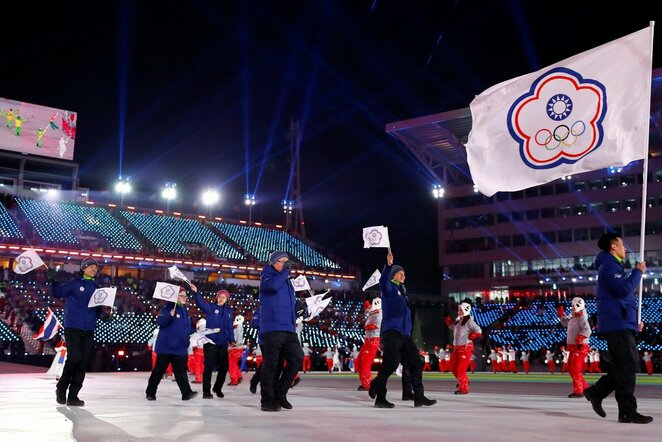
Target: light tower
(297, 224)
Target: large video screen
(37, 130)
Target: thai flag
(49, 329)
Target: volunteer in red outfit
(306, 357)
(328, 354)
(579, 331)
(549, 360)
(371, 341)
(235, 351)
(648, 360)
(465, 330)
(426, 360)
(525, 360)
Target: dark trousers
(178, 368)
(216, 355)
(406, 380)
(621, 373)
(79, 350)
(397, 349)
(277, 347)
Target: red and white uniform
(447, 359)
(596, 361)
(648, 361)
(512, 364)
(305, 367)
(579, 331)
(328, 354)
(549, 360)
(373, 322)
(566, 356)
(150, 346)
(525, 361)
(235, 351)
(472, 363)
(440, 354)
(464, 330)
(355, 357)
(197, 342)
(258, 356)
(493, 360)
(426, 360)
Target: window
(581, 234)
(547, 212)
(518, 241)
(532, 214)
(596, 232)
(565, 235)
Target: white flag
(584, 113)
(27, 262)
(375, 236)
(316, 304)
(175, 273)
(373, 280)
(165, 291)
(103, 296)
(300, 283)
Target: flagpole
(644, 190)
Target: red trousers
(494, 366)
(595, 367)
(258, 361)
(234, 357)
(329, 365)
(526, 366)
(198, 364)
(426, 367)
(649, 367)
(168, 371)
(460, 360)
(551, 366)
(513, 367)
(189, 363)
(575, 365)
(441, 366)
(364, 361)
(306, 364)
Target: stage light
(249, 200)
(210, 197)
(288, 206)
(437, 191)
(123, 186)
(169, 191)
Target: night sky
(201, 93)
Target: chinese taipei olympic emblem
(559, 120)
(25, 264)
(100, 296)
(167, 292)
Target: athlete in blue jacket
(277, 333)
(79, 324)
(398, 347)
(218, 315)
(172, 347)
(618, 323)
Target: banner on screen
(37, 130)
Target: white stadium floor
(326, 408)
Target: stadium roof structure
(439, 138)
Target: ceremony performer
(579, 331)
(465, 330)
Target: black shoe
(383, 403)
(372, 391)
(189, 395)
(270, 407)
(573, 395)
(253, 387)
(218, 392)
(60, 396)
(150, 397)
(295, 382)
(407, 396)
(283, 402)
(75, 402)
(460, 392)
(424, 402)
(595, 403)
(207, 396)
(634, 418)
(361, 388)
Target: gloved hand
(560, 312)
(448, 321)
(473, 336)
(216, 330)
